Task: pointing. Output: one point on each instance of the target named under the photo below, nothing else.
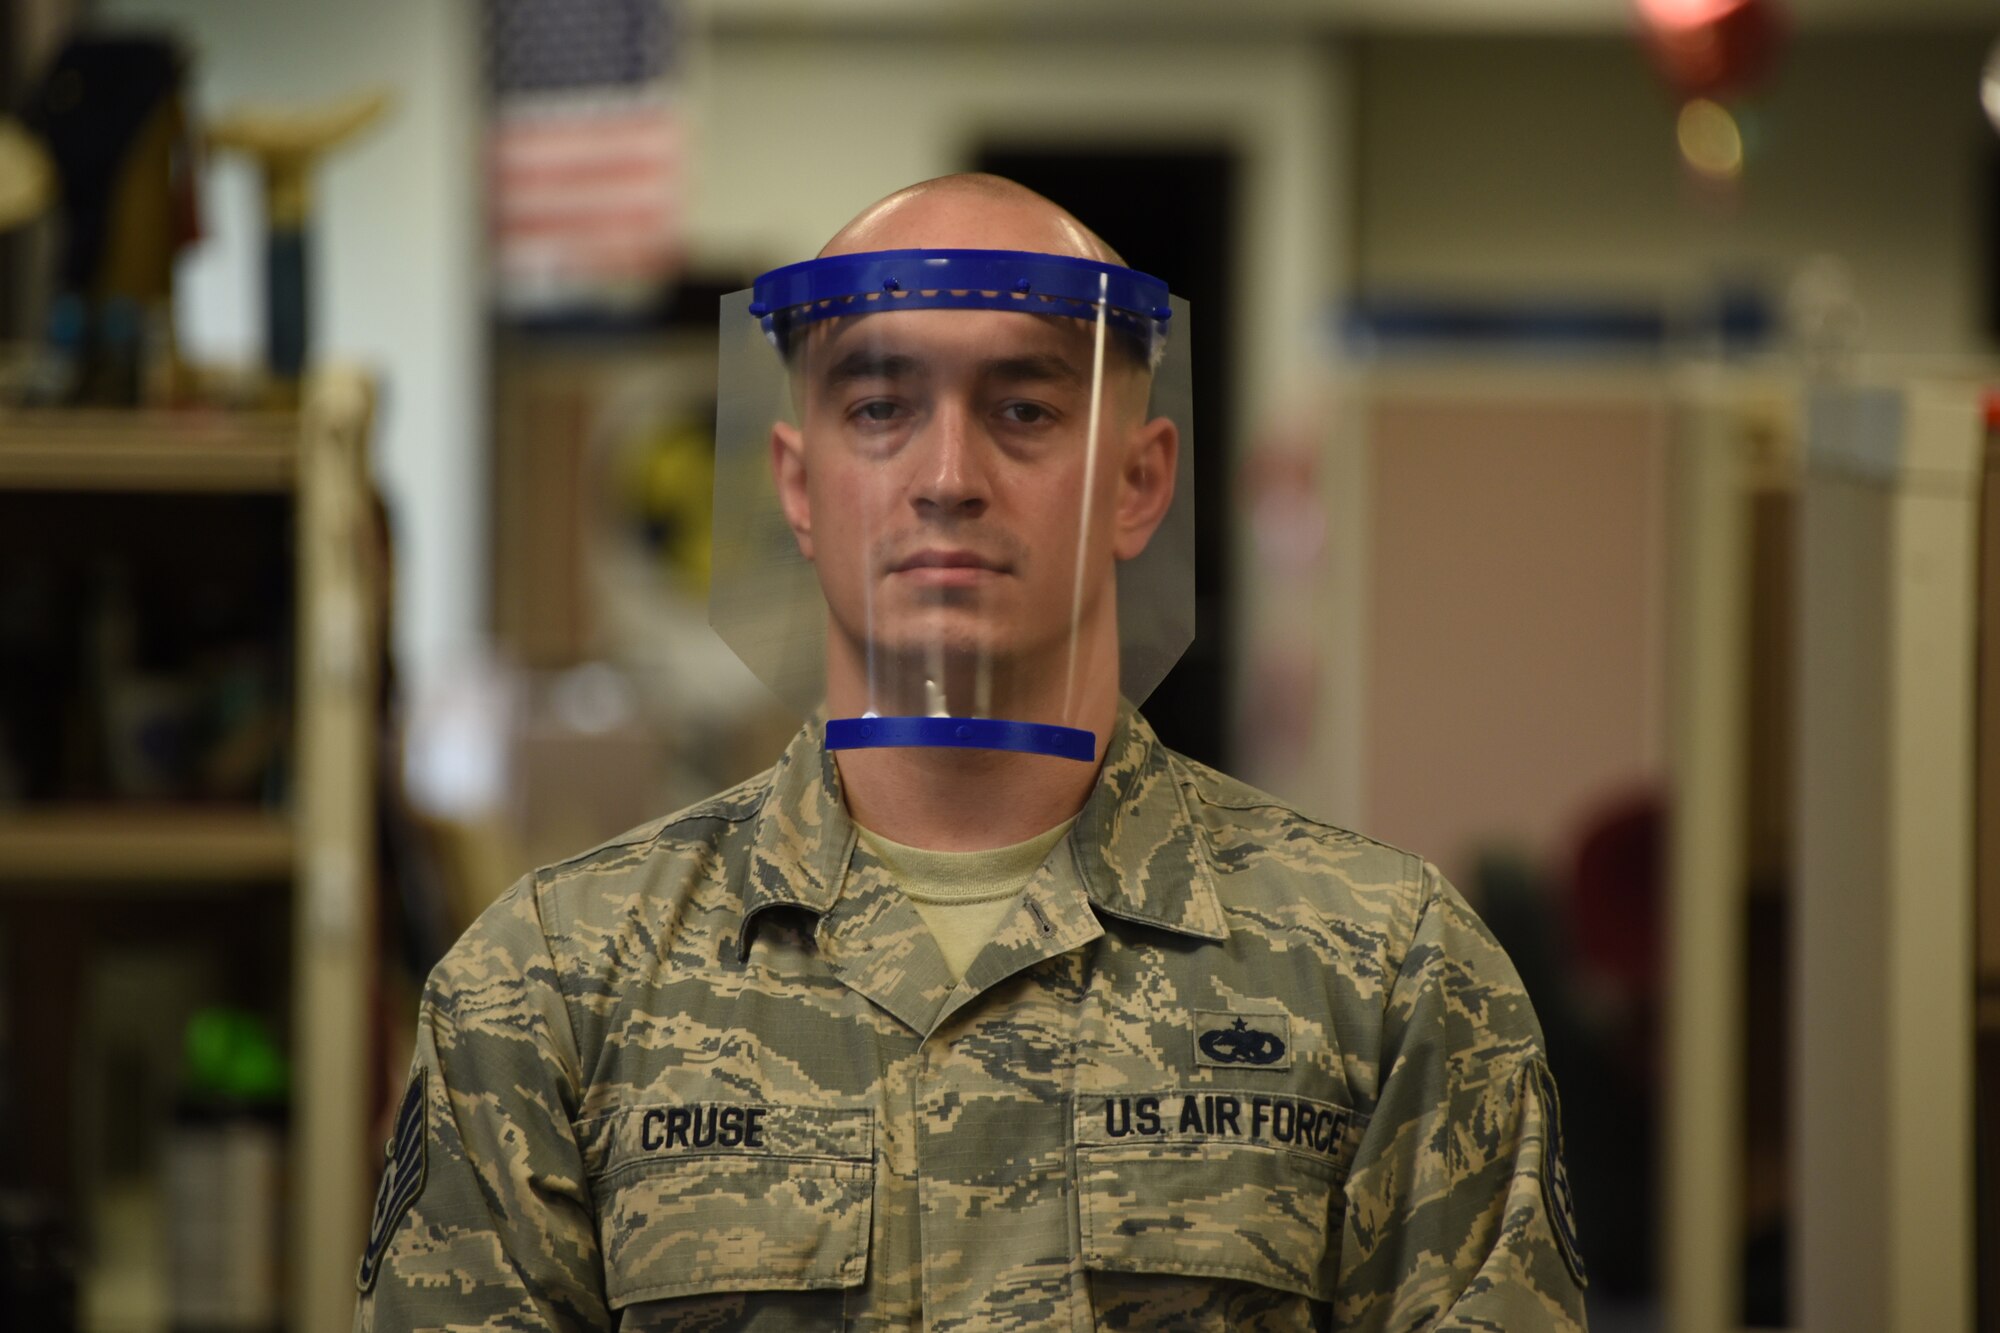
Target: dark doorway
(1171, 212)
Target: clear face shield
(952, 499)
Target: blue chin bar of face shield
(1131, 307)
(962, 733)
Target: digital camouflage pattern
(715, 1075)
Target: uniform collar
(803, 839)
(1138, 850)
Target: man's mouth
(947, 567)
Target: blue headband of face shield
(790, 298)
(1135, 309)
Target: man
(982, 1009)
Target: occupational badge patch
(402, 1177)
(1226, 1040)
(1555, 1176)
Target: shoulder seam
(709, 809)
(544, 906)
(1190, 772)
(1423, 896)
(1413, 876)
(1191, 777)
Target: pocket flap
(696, 1198)
(1215, 1184)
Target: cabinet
(283, 876)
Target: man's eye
(1027, 414)
(876, 411)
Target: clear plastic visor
(962, 524)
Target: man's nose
(951, 478)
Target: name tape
(696, 1125)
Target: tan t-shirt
(963, 896)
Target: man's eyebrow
(865, 363)
(1034, 367)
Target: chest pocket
(710, 1213)
(1212, 1209)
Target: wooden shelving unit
(164, 848)
(320, 848)
(203, 452)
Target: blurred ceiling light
(1711, 142)
(1685, 13)
(1713, 48)
(1989, 86)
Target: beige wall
(1547, 165)
(1516, 601)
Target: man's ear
(788, 472)
(1145, 486)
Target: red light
(1716, 49)
(1685, 13)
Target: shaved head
(970, 211)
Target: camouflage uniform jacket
(1224, 1067)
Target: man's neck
(953, 800)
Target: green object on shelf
(230, 1054)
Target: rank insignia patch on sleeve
(402, 1177)
(1555, 1177)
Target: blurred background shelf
(191, 811)
(194, 451)
(144, 848)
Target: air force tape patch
(402, 1177)
(1555, 1177)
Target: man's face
(938, 482)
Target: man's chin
(923, 654)
(957, 631)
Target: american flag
(585, 151)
